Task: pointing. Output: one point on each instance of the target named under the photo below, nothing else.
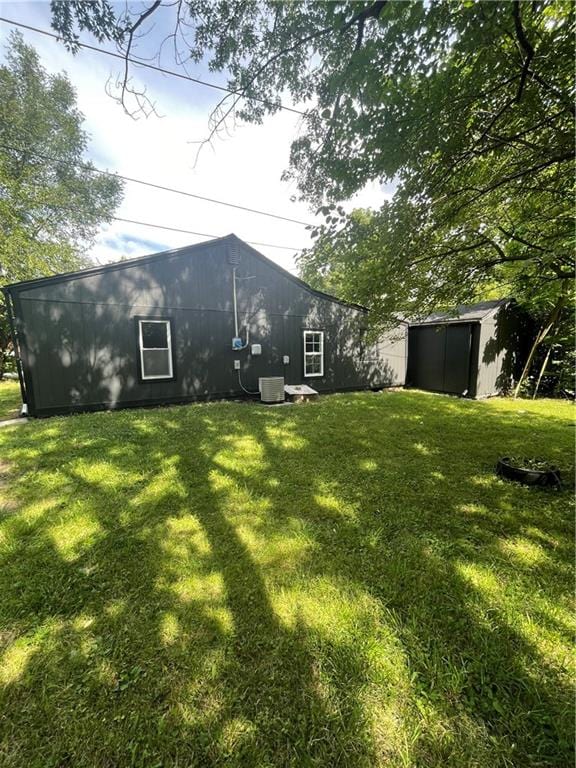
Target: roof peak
(127, 263)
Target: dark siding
(439, 358)
(478, 359)
(82, 345)
(457, 359)
(503, 348)
(474, 360)
(426, 357)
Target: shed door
(439, 358)
(426, 347)
(457, 359)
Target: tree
(51, 203)
(468, 107)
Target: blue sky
(122, 242)
(243, 168)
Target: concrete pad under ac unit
(299, 393)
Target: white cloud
(244, 168)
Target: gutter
(453, 321)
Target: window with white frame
(313, 353)
(155, 341)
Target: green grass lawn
(338, 584)
(10, 400)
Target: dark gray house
(478, 352)
(205, 321)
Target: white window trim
(309, 354)
(170, 375)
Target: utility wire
(154, 67)
(148, 224)
(199, 234)
(159, 186)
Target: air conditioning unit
(271, 389)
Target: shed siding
(488, 353)
(505, 339)
(489, 362)
(82, 351)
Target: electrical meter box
(256, 349)
(237, 343)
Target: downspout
(235, 302)
(245, 345)
(16, 345)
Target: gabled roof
(467, 313)
(184, 251)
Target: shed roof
(466, 313)
(184, 251)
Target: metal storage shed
(204, 321)
(477, 352)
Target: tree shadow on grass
(448, 574)
(143, 632)
(252, 587)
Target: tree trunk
(2, 362)
(542, 369)
(545, 329)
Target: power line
(203, 197)
(132, 180)
(154, 67)
(147, 224)
(199, 234)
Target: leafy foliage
(95, 16)
(51, 204)
(467, 107)
(477, 129)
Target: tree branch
(140, 20)
(521, 240)
(512, 177)
(500, 251)
(526, 47)
(141, 98)
(219, 120)
(561, 274)
(372, 11)
(449, 252)
(564, 98)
